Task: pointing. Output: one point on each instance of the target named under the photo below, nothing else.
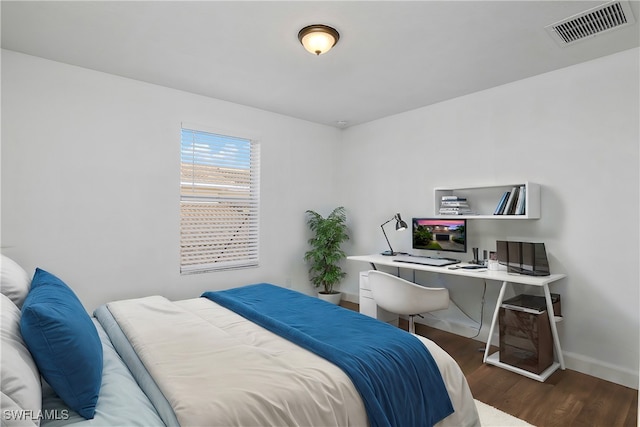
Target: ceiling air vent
(592, 22)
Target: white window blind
(219, 200)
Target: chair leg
(412, 326)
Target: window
(219, 197)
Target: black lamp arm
(398, 221)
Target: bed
(207, 361)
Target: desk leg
(552, 323)
(496, 313)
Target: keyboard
(435, 262)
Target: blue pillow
(63, 341)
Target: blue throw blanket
(396, 376)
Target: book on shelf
(511, 202)
(520, 206)
(454, 198)
(467, 209)
(456, 211)
(452, 204)
(502, 203)
(512, 208)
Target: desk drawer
(368, 306)
(364, 280)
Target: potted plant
(325, 254)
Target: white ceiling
(392, 56)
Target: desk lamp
(400, 225)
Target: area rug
(492, 417)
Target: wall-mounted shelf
(483, 200)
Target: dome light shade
(318, 39)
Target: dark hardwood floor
(567, 398)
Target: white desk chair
(403, 297)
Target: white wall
(90, 181)
(574, 131)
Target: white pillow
(10, 407)
(14, 281)
(19, 376)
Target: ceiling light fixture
(318, 39)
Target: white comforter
(217, 369)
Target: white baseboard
(600, 369)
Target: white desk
(500, 276)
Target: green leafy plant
(325, 254)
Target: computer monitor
(436, 234)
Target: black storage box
(525, 333)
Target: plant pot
(333, 298)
